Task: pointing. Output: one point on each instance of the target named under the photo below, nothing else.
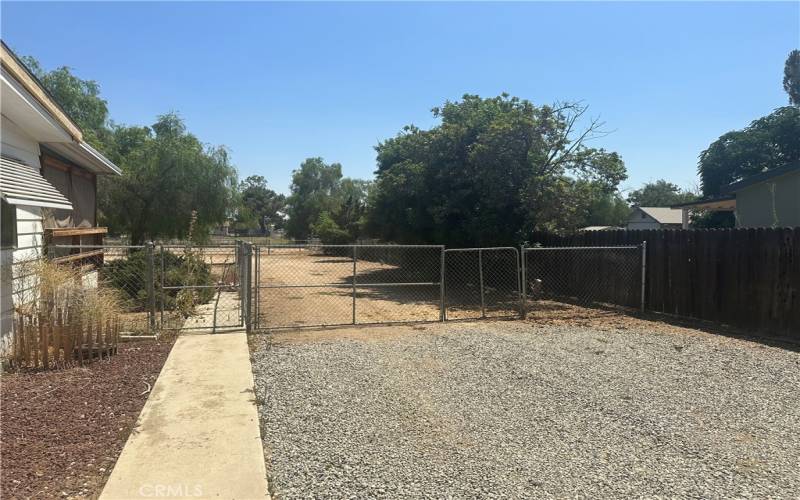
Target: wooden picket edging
(61, 340)
(746, 278)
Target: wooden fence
(746, 278)
(62, 340)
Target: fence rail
(586, 275)
(482, 283)
(746, 278)
(320, 285)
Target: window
(8, 225)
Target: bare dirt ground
(573, 402)
(325, 305)
(329, 301)
(62, 431)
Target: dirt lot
(570, 403)
(329, 299)
(62, 431)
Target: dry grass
(62, 299)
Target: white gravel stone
(509, 409)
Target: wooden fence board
(748, 278)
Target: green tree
(351, 207)
(660, 194)
(769, 142)
(491, 171)
(605, 208)
(315, 189)
(259, 205)
(791, 77)
(167, 173)
(79, 98)
(329, 231)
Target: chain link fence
(611, 275)
(164, 286)
(482, 283)
(317, 285)
(311, 284)
(199, 286)
(125, 270)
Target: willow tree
(167, 174)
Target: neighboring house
(654, 218)
(48, 182)
(768, 199)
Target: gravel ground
(513, 409)
(63, 430)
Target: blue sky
(277, 83)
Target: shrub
(129, 276)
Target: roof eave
(762, 177)
(85, 156)
(718, 203)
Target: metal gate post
(519, 284)
(480, 272)
(644, 269)
(150, 277)
(354, 283)
(524, 283)
(442, 309)
(248, 268)
(163, 293)
(238, 262)
(255, 287)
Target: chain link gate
(325, 285)
(482, 283)
(200, 287)
(600, 275)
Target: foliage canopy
(494, 169)
(259, 205)
(167, 173)
(769, 142)
(660, 194)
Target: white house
(655, 218)
(48, 180)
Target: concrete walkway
(198, 434)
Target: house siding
(640, 220)
(30, 234)
(774, 203)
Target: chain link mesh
(198, 286)
(315, 284)
(123, 269)
(583, 275)
(482, 283)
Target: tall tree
(769, 142)
(260, 203)
(79, 98)
(491, 171)
(314, 190)
(791, 77)
(350, 213)
(659, 194)
(167, 174)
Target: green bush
(329, 232)
(129, 276)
